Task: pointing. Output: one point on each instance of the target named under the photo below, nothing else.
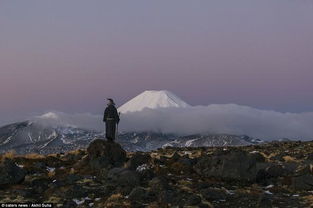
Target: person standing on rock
(111, 119)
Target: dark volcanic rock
(10, 173)
(304, 182)
(304, 179)
(76, 191)
(159, 184)
(123, 177)
(145, 172)
(272, 172)
(276, 170)
(138, 159)
(310, 157)
(137, 194)
(233, 165)
(72, 178)
(169, 197)
(264, 201)
(40, 184)
(213, 194)
(103, 154)
(193, 200)
(69, 204)
(184, 164)
(171, 177)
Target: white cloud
(217, 118)
(228, 118)
(81, 120)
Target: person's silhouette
(111, 119)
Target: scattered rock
(145, 172)
(76, 191)
(233, 165)
(169, 197)
(72, 178)
(212, 194)
(40, 185)
(303, 179)
(137, 194)
(10, 173)
(183, 165)
(138, 159)
(69, 204)
(264, 201)
(276, 170)
(123, 177)
(193, 200)
(245, 176)
(310, 157)
(159, 184)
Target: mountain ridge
(30, 137)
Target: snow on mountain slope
(78, 120)
(212, 140)
(152, 99)
(29, 137)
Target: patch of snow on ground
(79, 202)
(21, 166)
(142, 167)
(50, 169)
(269, 186)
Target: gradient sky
(70, 55)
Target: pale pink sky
(70, 55)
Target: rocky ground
(278, 174)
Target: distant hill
(30, 136)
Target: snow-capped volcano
(152, 99)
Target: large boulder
(138, 194)
(103, 154)
(264, 201)
(231, 165)
(159, 183)
(213, 194)
(76, 191)
(137, 160)
(276, 170)
(10, 173)
(123, 177)
(40, 185)
(310, 157)
(183, 165)
(303, 179)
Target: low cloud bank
(228, 118)
(79, 120)
(217, 118)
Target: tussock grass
(72, 171)
(153, 205)
(75, 152)
(309, 200)
(116, 200)
(34, 156)
(8, 155)
(51, 174)
(288, 158)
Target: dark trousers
(110, 130)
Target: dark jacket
(111, 114)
